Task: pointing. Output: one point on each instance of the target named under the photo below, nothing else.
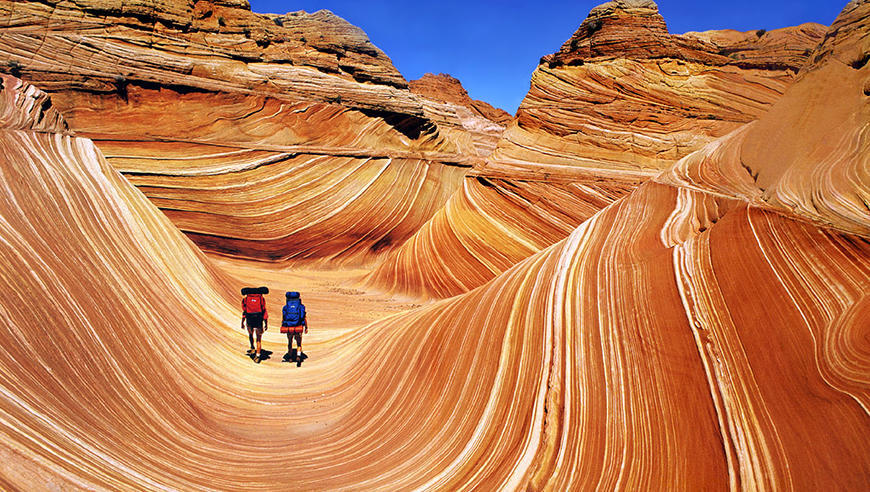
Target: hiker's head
(292, 295)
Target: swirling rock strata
(705, 388)
(621, 101)
(809, 156)
(628, 355)
(89, 268)
(638, 327)
(184, 95)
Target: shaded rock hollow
(220, 115)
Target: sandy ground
(336, 302)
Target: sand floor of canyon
(338, 303)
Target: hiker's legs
(298, 337)
(289, 342)
(259, 338)
(251, 337)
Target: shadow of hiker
(264, 355)
(292, 357)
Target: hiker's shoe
(257, 358)
(250, 351)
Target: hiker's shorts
(294, 336)
(255, 321)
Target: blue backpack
(294, 310)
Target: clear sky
(493, 46)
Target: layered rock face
(809, 156)
(448, 103)
(621, 100)
(99, 288)
(246, 128)
(706, 331)
(447, 89)
(719, 301)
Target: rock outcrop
(621, 101)
(247, 128)
(448, 103)
(447, 89)
(809, 156)
(623, 97)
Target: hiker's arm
(305, 322)
(243, 320)
(265, 318)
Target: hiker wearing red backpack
(293, 323)
(256, 317)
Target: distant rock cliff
(444, 88)
(624, 97)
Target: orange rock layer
(620, 102)
(173, 91)
(444, 88)
(628, 355)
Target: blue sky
(492, 47)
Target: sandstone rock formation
(621, 100)
(624, 97)
(447, 89)
(246, 128)
(628, 355)
(809, 156)
(447, 103)
(708, 330)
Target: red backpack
(253, 303)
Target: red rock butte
(655, 276)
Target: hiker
(293, 324)
(256, 317)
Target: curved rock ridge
(704, 387)
(809, 156)
(487, 227)
(25, 107)
(97, 282)
(190, 99)
(566, 389)
(619, 103)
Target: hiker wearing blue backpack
(293, 324)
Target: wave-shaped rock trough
(705, 331)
